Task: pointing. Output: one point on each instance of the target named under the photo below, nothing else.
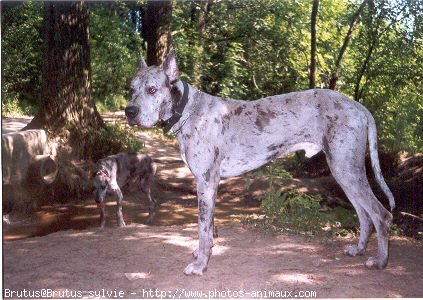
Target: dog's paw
(353, 250)
(195, 268)
(376, 263)
(121, 223)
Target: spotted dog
(221, 138)
(114, 172)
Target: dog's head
(100, 179)
(154, 93)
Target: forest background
(369, 50)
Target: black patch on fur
(202, 210)
(326, 148)
(176, 97)
(238, 111)
(225, 123)
(216, 153)
(263, 118)
(338, 106)
(207, 175)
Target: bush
(99, 143)
(303, 214)
(14, 107)
(299, 212)
(112, 139)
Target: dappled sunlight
(14, 123)
(84, 217)
(295, 278)
(288, 246)
(177, 240)
(135, 276)
(177, 172)
(84, 233)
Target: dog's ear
(143, 64)
(170, 66)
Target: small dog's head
(100, 178)
(154, 93)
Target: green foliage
(302, 213)
(21, 51)
(245, 50)
(111, 103)
(115, 48)
(111, 139)
(253, 49)
(299, 212)
(14, 107)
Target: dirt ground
(64, 252)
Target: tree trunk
(198, 18)
(156, 30)
(66, 72)
(312, 83)
(357, 90)
(337, 69)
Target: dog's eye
(151, 90)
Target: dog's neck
(178, 109)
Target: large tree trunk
(66, 73)
(156, 30)
(312, 76)
(337, 69)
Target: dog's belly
(239, 162)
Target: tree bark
(66, 72)
(198, 19)
(156, 30)
(337, 69)
(312, 82)
(357, 90)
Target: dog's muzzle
(131, 111)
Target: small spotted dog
(114, 172)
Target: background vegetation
(244, 49)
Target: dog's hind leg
(349, 171)
(152, 208)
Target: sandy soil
(65, 252)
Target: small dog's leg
(119, 214)
(102, 216)
(145, 188)
(100, 195)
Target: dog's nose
(131, 111)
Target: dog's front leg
(206, 192)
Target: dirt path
(143, 261)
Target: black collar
(178, 111)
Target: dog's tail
(374, 157)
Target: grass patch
(112, 139)
(292, 211)
(14, 107)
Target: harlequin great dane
(221, 138)
(114, 172)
